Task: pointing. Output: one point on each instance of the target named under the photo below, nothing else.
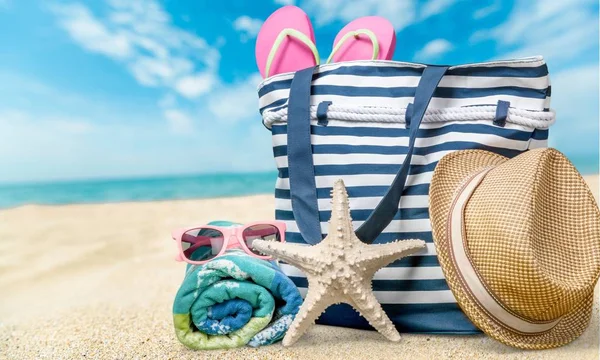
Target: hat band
(469, 275)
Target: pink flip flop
(286, 42)
(369, 37)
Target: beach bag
(382, 126)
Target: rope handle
(370, 34)
(296, 35)
(536, 119)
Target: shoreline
(195, 199)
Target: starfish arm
(314, 305)
(298, 255)
(367, 305)
(340, 221)
(380, 255)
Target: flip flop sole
(292, 54)
(361, 48)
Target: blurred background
(120, 100)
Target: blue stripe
(277, 108)
(443, 318)
(372, 131)
(382, 71)
(360, 191)
(361, 215)
(487, 71)
(393, 285)
(399, 150)
(440, 92)
(413, 261)
(540, 134)
(357, 169)
(274, 104)
(501, 71)
(383, 238)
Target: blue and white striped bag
(382, 126)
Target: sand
(97, 282)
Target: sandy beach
(97, 282)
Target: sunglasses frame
(230, 234)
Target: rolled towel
(234, 300)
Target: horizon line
(11, 183)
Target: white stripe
(464, 267)
(402, 125)
(402, 102)
(362, 203)
(425, 125)
(452, 81)
(345, 159)
(536, 144)
(408, 297)
(547, 102)
(387, 273)
(360, 180)
(396, 226)
(488, 139)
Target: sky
(127, 88)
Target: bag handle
(301, 170)
(384, 213)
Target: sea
(137, 189)
(161, 188)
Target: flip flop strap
(296, 35)
(355, 34)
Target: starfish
(340, 269)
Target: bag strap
(303, 190)
(384, 213)
(301, 169)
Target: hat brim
(450, 174)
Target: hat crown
(534, 242)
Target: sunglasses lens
(260, 232)
(201, 244)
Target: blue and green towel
(234, 300)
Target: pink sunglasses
(198, 245)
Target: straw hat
(519, 243)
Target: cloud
(50, 144)
(559, 30)
(57, 146)
(486, 11)
(141, 35)
(399, 13)
(168, 101)
(236, 102)
(197, 122)
(562, 47)
(193, 86)
(179, 122)
(434, 7)
(433, 50)
(79, 22)
(285, 2)
(247, 26)
(59, 124)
